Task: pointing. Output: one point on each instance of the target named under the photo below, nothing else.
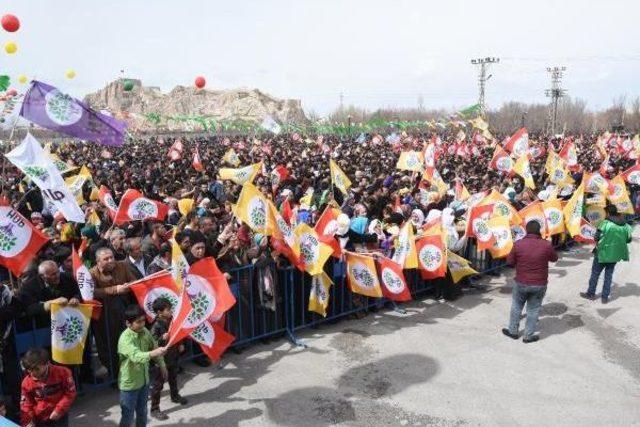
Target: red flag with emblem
(135, 207)
(212, 338)
(477, 226)
(105, 197)
(432, 257)
(394, 285)
(175, 151)
(20, 241)
(197, 163)
(326, 227)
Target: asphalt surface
(440, 364)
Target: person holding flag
(613, 237)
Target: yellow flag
(313, 252)
(339, 178)
(95, 194)
(573, 211)
(553, 162)
(535, 212)
(406, 254)
(522, 168)
(241, 175)
(501, 230)
(94, 219)
(319, 294)
(76, 182)
(185, 206)
(179, 265)
(501, 207)
(410, 161)
(307, 198)
(362, 276)
(69, 327)
(555, 218)
(231, 158)
(619, 196)
(458, 267)
(252, 209)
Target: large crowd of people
(380, 200)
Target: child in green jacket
(136, 347)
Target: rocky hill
(136, 105)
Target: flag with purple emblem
(46, 106)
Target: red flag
(135, 207)
(208, 291)
(279, 175)
(501, 161)
(568, 153)
(632, 175)
(197, 163)
(604, 166)
(518, 143)
(432, 257)
(105, 197)
(326, 227)
(83, 246)
(279, 245)
(213, 339)
(587, 232)
(287, 212)
(175, 151)
(85, 283)
(20, 241)
(477, 226)
(394, 285)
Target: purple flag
(46, 106)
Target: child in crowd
(48, 391)
(136, 347)
(160, 332)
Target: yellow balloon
(70, 74)
(10, 48)
(22, 79)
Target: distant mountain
(138, 104)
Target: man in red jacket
(531, 256)
(47, 391)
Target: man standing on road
(613, 237)
(531, 256)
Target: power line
(482, 78)
(555, 93)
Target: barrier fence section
(261, 312)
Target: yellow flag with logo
(523, 169)
(231, 158)
(252, 209)
(241, 175)
(362, 276)
(553, 213)
(185, 206)
(573, 211)
(313, 253)
(179, 265)
(69, 327)
(501, 207)
(503, 242)
(410, 161)
(319, 293)
(459, 267)
(279, 229)
(619, 196)
(339, 178)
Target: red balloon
(10, 23)
(200, 82)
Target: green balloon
(128, 85)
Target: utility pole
(555, 93)
(341, 102)
(482, 78)
(420, 102)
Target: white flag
(10, 113)
(269, 124)
(31, 159)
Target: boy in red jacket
(47, 391)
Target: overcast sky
(378, 53)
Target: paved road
(442, 364)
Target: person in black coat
(47, 287)
(136, 260)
